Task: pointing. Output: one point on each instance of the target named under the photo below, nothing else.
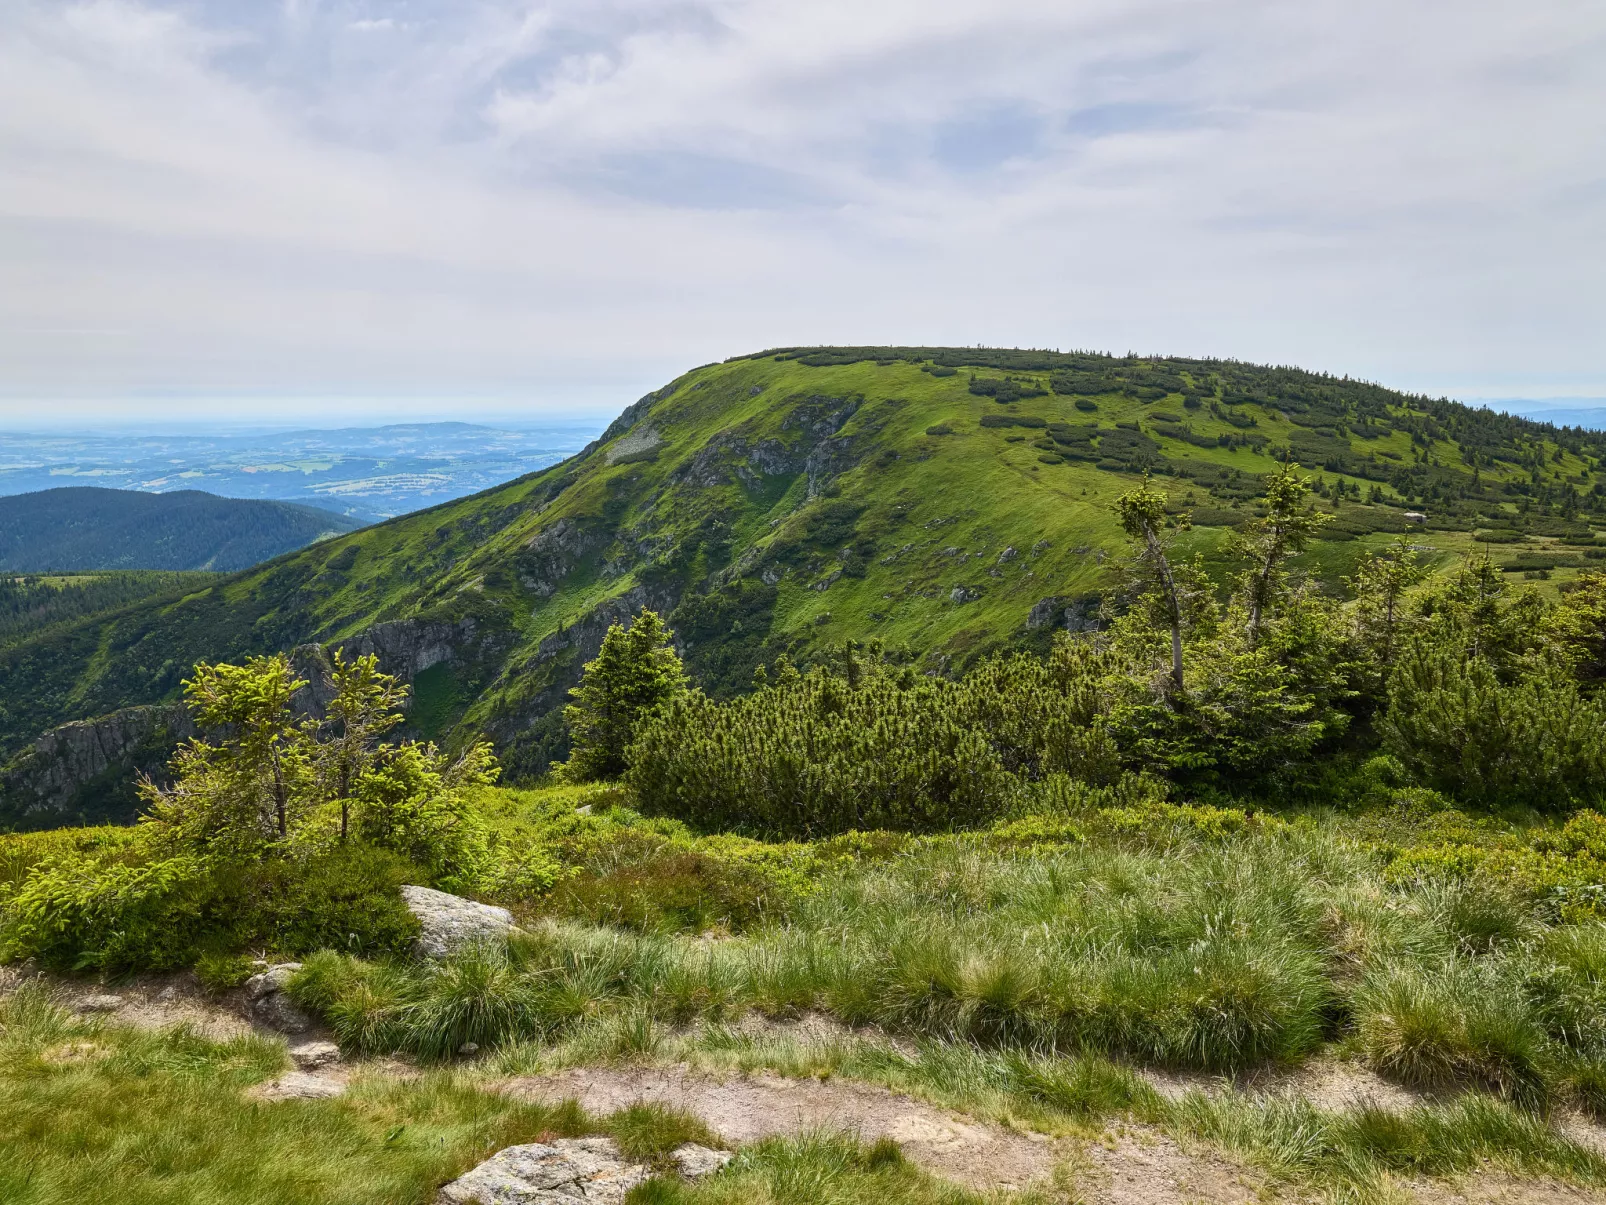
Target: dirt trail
(747, 1108)
(1130, 1165)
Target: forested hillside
(947, 502)
(82, 528)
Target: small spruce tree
(636, 670)
(1143, 516)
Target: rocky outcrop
(567, 1170)
(553, 553)
(82, 772)
(1072, 614)
(449, 922)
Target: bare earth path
(1128, 1165)
(747, 1108)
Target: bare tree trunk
(1175, 606)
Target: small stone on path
(309, 1056)
(99, 1004)
(299, 1085)
(695, 1161)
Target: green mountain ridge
(87, 529)
(948, 502)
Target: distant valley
(365, 473)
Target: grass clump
(163, 1117)
(809, 1169)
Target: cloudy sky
(455, 207)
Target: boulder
(449, 922)
(277, 1011)
(561, 1172)
(271, 980)
(695, 1162)
(270, 1005)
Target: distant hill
(81, 529)
(948, 502)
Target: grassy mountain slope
(82, 529)
(942, 500)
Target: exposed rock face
(566, 1170)
(50, 783)
(553, 553)
(408, 647)
(1074, 614)
(449, 922)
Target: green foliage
(636, 672)
(242, 793)
(1460, 724)
(164, 1117)
(820, 755)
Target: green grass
(1172, 937)
(917, 497)
(161, 1118)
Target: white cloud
(515, 198)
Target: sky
(238, 210)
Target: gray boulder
(561, 1172)
(694, 1161)
(449, 922)
(270, 1005)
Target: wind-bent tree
(1287, 527)
(636, 670)
(363, 709)
(1142, 514)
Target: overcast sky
(458, 207)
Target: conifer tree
(241, 791)
(1142, 514)
(363, 709)
(636, 670)
(1380, 584)
(1286, 528)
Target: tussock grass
(162, 1117)
(811, 1168)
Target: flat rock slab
(299, 1085)
(449, 922)
(747, 1108)
(566, 1170)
